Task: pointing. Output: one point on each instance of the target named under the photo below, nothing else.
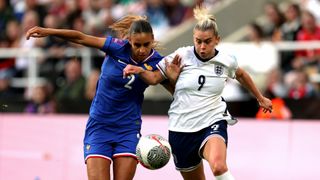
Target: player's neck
(205, 59)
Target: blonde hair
(205, 20)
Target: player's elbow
(79, 38)
(153, 78)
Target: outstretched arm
(69, 35)
(244, 78)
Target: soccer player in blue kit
(113, 128)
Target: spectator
(7, 65)
(176, 12)
(6, 91)
(255, 33)
(6, 13)
(310, 31)
(156, 13)
(94, 17)
(276, 90)
(29, 20)
(292, 25)
(258, 57)
(41, 102)
(301, 87)
(275, 85)
(275, 20)
(314, 7)
(34, 5)
(289, 32)
(72, 88)
(55, 49)
(58, 8)
(13, 32)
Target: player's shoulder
(155, 56)
(226, 58)
(185, 51)
(226, 55)
(117, 46)
(118, 41)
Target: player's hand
(174, 68)
(265, 104)
(36, 32)
(131, 69)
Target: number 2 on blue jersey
(129, 83)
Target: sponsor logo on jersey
(149, 68)
(120, 61)
(218, 69)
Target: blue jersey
(118, 100)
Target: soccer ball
(153, 151)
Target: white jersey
(197, 100)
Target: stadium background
(45, 141)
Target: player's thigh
(215, 150)
(98, 168)
(197, 174)
(124, 168)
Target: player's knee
(218, 167)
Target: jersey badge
(88, 147)
(218, 69)
(148, 67)
(118, 41)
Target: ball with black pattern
(153, 151)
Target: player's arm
(149, 77)
(245, 80)
(172, 71)
(69, 35)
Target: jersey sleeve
(112, 45)
(162, 64)
(233, 67)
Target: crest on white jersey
(218, 69)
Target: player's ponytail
(205, 20)
(131, 24)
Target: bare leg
(215, 152)
(197, 174)
(124, 168)
(98, 169)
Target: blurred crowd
(297, 75)
(62, 80)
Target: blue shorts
(187, 147)
(107, 142)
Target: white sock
(225, 176)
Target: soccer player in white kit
(198, 115)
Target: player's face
(205, 43)
(141, 44)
